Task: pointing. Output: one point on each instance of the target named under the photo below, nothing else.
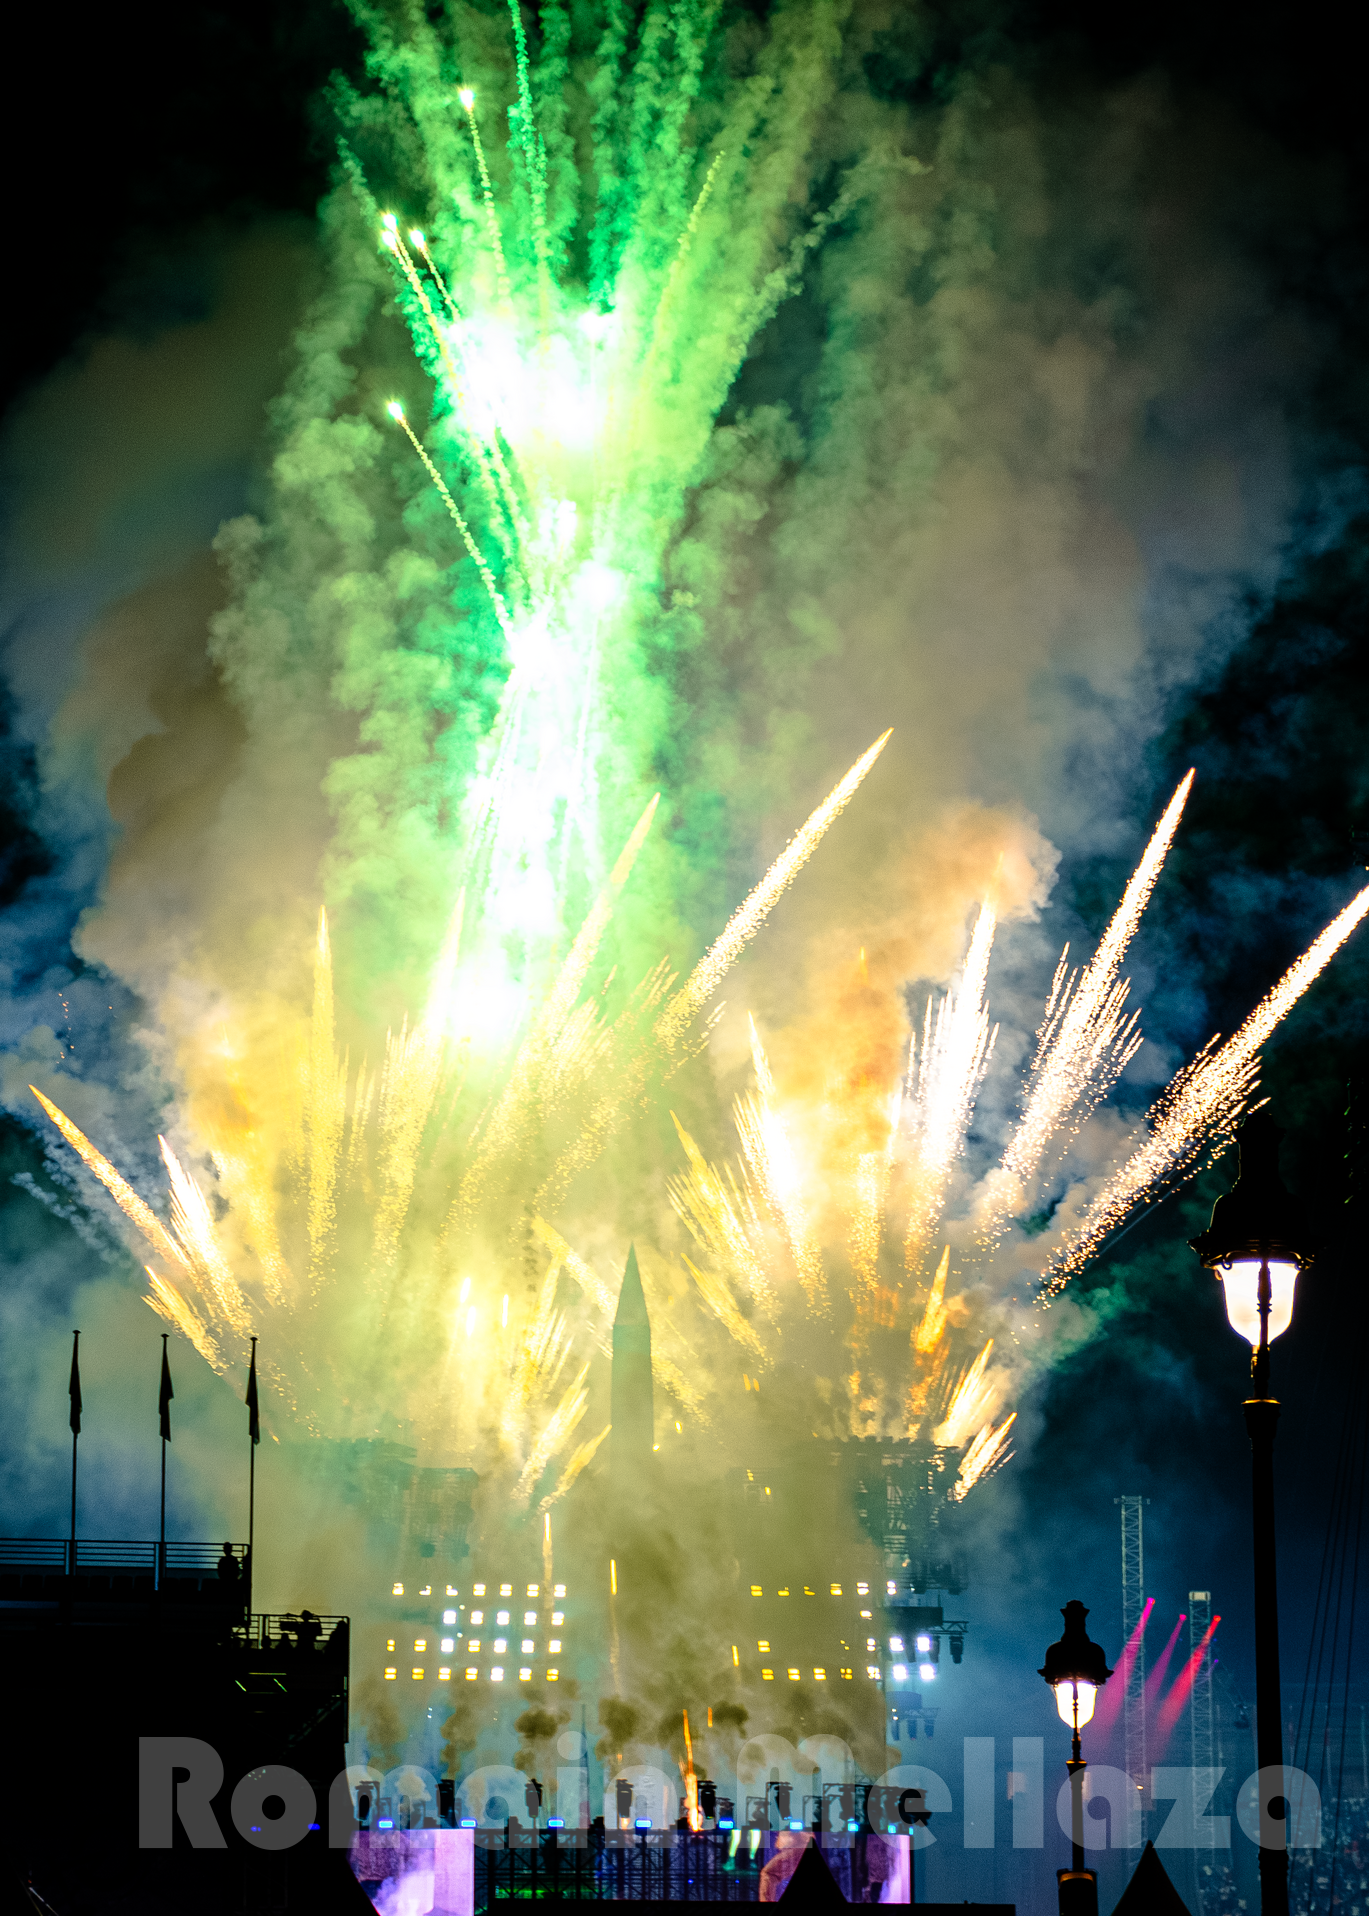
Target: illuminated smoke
(425, 1218)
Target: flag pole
(74, 1392)
(254, 1438)
(164, 1398)
(161, 1535)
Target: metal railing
(294, 1634)
(118, 1557)
(626, 1866)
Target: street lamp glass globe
(1065, 1693)
(1241, 1285)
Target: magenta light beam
(1155, 1682)
(1113, 1693)
(1173, 1706)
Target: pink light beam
(1173, 1706)
(1110, 1698)
(1155, 1682)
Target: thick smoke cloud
(1012, 472)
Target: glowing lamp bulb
(395, 410)
(1066, 1692)
(1241, 1286)
(467, 97)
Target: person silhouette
(229, 1568)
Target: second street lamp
(1076, 1670)
(1257, 1243)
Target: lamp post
(1076, 1668)
(1256, 1244)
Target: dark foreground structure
(105, 1644)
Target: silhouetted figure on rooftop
(229, 1568)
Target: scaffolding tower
(1200, 1709)
(1134, 1696)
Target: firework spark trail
(534, 153)
(656, 333)
(118, 1187)
(1202, 1102)
(581, 1456)
(169, 1304)
(558, 1427)
(501, 610)
(714, 1212)
(419, 241)
(742, 927)
(721, 1302)
(585, 1276)
(1086, 1039)
(956, 1048)
(970, 1405)
(494, 475)
(673, 1379)
(929, 1332)
(539, 1341)
(467, 99)
(770, 1154)
(986, 1453)
(193, 1225)
(672, 1024)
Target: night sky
(172, 141)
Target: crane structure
(1200, 1706)
(1134, 1696)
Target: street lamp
(1257, 1243)
(1076, 1669)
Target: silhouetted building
(631, 1408)
(105, 1644)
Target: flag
(165, 1397)
(251, 1401)
(74, 1387)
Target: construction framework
(1134, 1696)
(1200, 1708)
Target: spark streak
(956, 1047)
(1203, 1102)
(1086, 1039)
(501, 610)
(988, 1451)
(118, 1187)
(742, 927)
